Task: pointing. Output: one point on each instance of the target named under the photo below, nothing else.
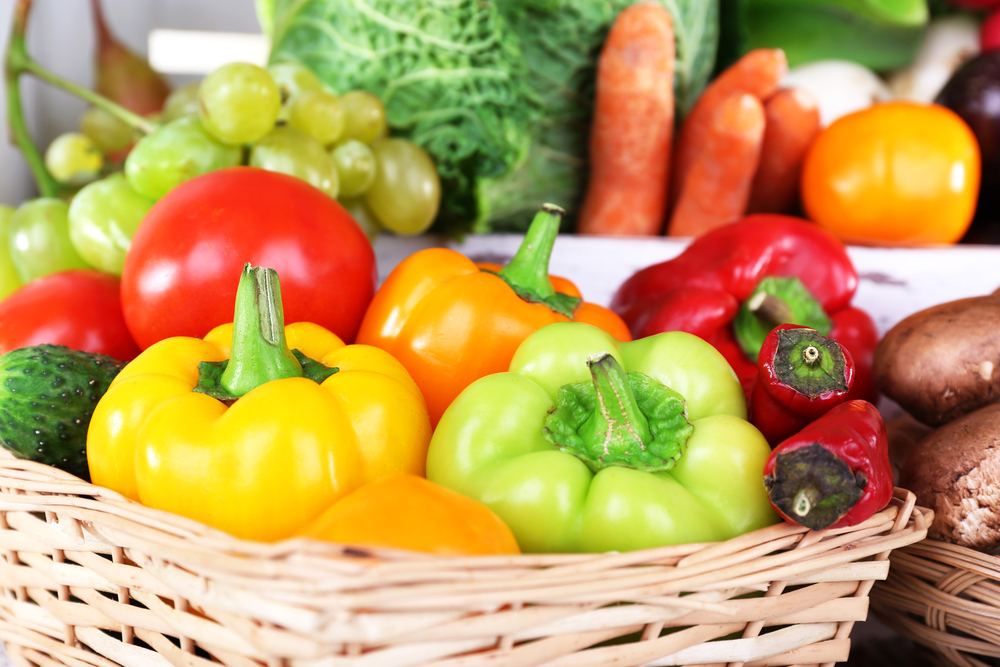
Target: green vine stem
(18, 62)
(13, 67)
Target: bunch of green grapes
(283, 119)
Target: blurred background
(61, 37)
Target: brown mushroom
(943, 362)
(956, 472)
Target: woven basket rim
(33, 476)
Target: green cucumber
(47, 396)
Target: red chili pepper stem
(259, 350)
(619, 419)
(814, 486)
(528, 272)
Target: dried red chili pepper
(800, 376)
(833, 473)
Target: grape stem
(18, 62)
(17, 128)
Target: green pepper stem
(774, 301)
(619, 419)
(617, 424)
(772, 308)
(259, 351)
(528, 272)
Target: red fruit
(80, 309)
(185, 260)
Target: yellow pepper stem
(259, 352)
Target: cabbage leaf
(499, 92)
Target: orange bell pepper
(408, 512)
(450, 321)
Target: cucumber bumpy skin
(47, 396)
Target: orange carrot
(792, 123)
(717, 186)
(758, 73)
(633, 126)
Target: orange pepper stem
(528, 272)
(259, 351)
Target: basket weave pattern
(91, 579)
(946, 597)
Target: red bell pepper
(800, 377)
(833, 473)
(713, 289)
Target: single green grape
(362, 215)
(74, 159)
(239, 103)
(181, 102)
(356, 166)
(9, 280)
(103, 218)
(292, 79)
(318, 114)
(108, 132)
(406, 192)
(289, 151)
(39, 239)
(364, 116)
(174, 153)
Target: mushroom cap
(955, 471)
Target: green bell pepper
(592, 445)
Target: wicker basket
(947, 598)
(92, 579)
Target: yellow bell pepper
(278, 448)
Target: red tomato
(80, 309)
(185, 261)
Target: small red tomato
(80, 309)
(185, 260)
